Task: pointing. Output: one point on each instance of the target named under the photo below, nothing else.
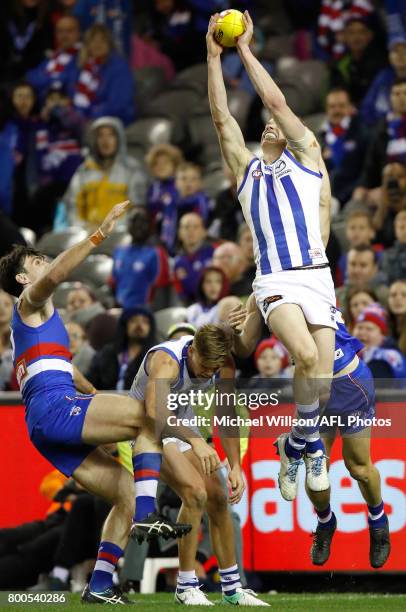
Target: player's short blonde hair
(213, 344)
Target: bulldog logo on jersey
(257, 174)
(21, 371)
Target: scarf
(332, 19)
(334, 137)
(396, 148)
(60, 59)
(87, 85)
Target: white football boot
(288, 477)
(243, 597)
(193, 596)
(316, 471)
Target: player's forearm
(270, 94)
(81, 383)
(231, 448)
(241, 345)
(217, 91)
(67, 261)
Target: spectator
(60, 68)
(190, 198)
(177, 330)
(397, 310)
(196, 253)
(343, 140)
(105, 85)
(144, 53)
(58, 154)
(62, 8)
(357, 300)
(272, 362)
(115, 14)
(387, 142)
(230, 258)
(213, 286)
(362, 270)
(19, 133)
(25, 35)
(81, 350)
(376, 103)
(81, 305)
(392, 200)
(227, 212)
(141, 271)
(116, 364)
(107, 176)
(359, 230)
(6, 355)
(162, 162)
(356, 69)
(394, 259)
(372, 330)
(245, 241)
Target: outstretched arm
(37, 294)
(298, 136)
(325, 204)
(229, 133)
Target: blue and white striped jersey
(280, 203)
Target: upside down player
(180, 366)
(283, 196)
(352, 393)
(67, 428)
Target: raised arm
(298, 136)
(36, 295)
(325, 204)
(246, 324)
(229, 133)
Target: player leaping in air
(284, 195)
(66, 428)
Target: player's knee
(359, 472)
(195, 497)
(217, 502)
(306, 358)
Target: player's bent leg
(357, 458)
(103, 476)
(147, 522)
(326, 520)
(112, 418)
(182, 476)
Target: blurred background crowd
(104, 100)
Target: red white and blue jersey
(280, 203)
(346, 346)
(42, 362)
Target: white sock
(230, 579)
(60, 572)
(187, 580)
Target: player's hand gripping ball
(229, 25)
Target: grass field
(285, 602)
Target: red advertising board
(276, 533)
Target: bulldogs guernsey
(42, 362)
(346, 346)
(280, 203)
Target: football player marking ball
(229, 25)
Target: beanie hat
(375, 314)
(276, 346)
(188, 328)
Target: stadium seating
(214, 182)
(95, 270)
(29, 235)
(149, 82)
(194, 78)
(53, 243)
(144, 133)
(168, 316)
(152, 567)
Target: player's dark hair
(339, 89)
(12, 264)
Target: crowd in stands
(104, 100)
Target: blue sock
(147, 467)
(314, 446)
(107, 559)
(326, 518)
(295, 446)
(230, 579)
(376, 516)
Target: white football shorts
(312, 290)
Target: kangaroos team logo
(257, 174)
(281, 165)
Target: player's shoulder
(163, 361)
